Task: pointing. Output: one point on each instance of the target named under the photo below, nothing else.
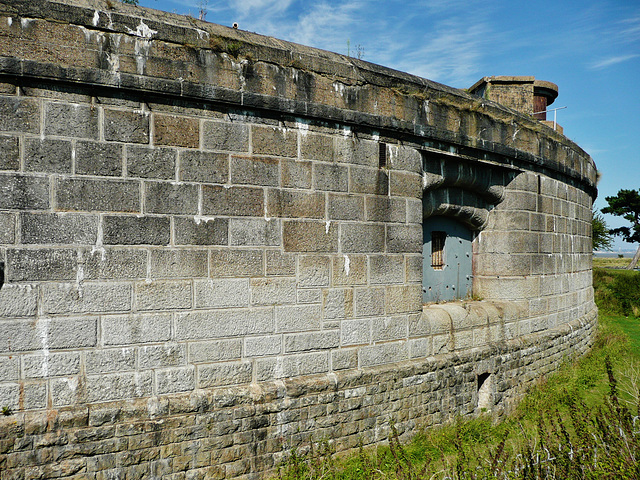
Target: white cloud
(608, 62)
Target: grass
(613, 262)
(577, 423)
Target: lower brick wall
(245, 432)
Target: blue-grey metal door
(447, 262)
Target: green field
(578, 423)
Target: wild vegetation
(581, 423)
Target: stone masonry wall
(213, 247)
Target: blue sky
(589, 48)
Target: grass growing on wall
(579, 423)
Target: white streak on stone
(142, 31)
(96, 18)
(42, 330)
(202, 218)
(9, 21)
(347, 264)
(327, 225)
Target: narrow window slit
(437, 249)
(382, 155)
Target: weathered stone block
(10, 394)
(401, 299)
(294, 204)
(305, 364)
(233, 201)
(236, 263)
(51, 364)
(385, 269)
(215, 350)
(71, 120)
(404, 239)
(89, 195)
(232, 137)
(250, 170)
(18, 301)
(9, 369)
(389, 328)
(386, 209)
(19, 114)
(254, 231)
(273, 291)
(102, 388)
(207, 167)
(345, 207)
(132, 230)
(383, 353)
(52, 333)
(313, 270)
(362, 238)
(174, 380)
(224, 323)
(109, 360)
(357, 151)
(136, 328)
(355, 332)
(9, 153)
(262, 346)
(163, 295)
(93, 158)
(369, 302)
(176, 131)
(274, 141)
(297, 318)
(41, 264)
(330, 177)
(402, 157)
(86, 297)
(295, 174)
(126, 126)
(170, 198)
(51, 228)
(115, 263)
(46, 155)
(309, 236)
(316, 147)
(338, 303)
(178, 263)
(413, 268)
(165, 355)
(216, 293)
(278, 263)
(24, 192)
(304, 342)
(344, 358)
(151, 162)
(201, 230)
(228, 373)
(369, 180)
(349, 270)
(405, 184)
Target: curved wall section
(213, 247)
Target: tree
(600, 236)
(626, 204)
(130, 2)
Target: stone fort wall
(213, 247)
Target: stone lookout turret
(522, 93)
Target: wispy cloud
(608, 62)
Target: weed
(6, 410)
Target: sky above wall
(589, 48)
